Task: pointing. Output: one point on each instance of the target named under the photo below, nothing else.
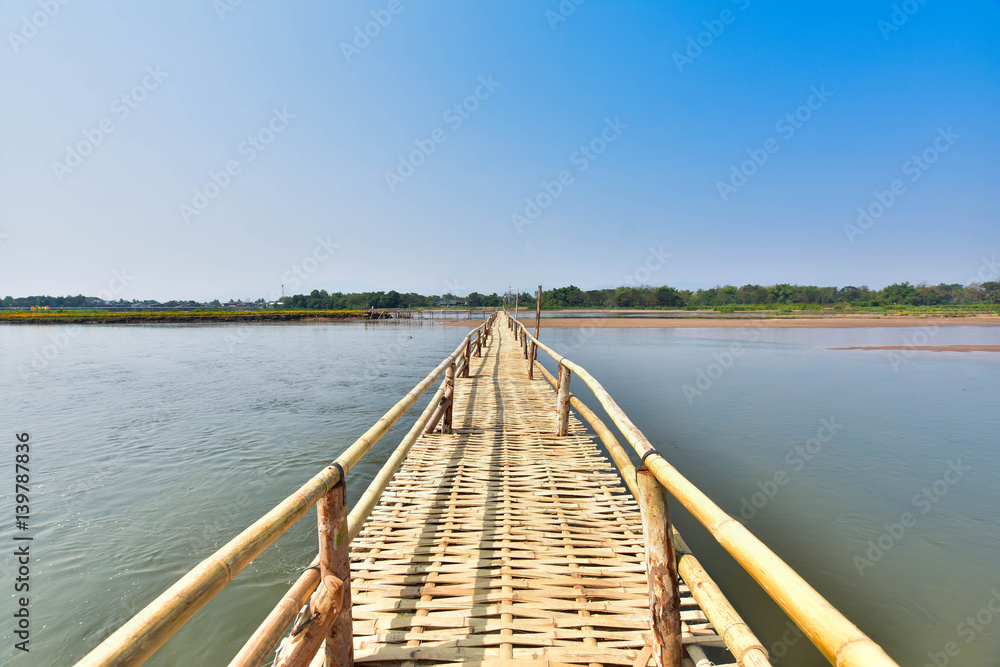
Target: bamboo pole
(261, 645)
(330, 608)
(840, 641)
(745, 646)
(145, 632)
(449, 395)
(538, 311)
(562, 401)
(736, 633)
(531, 362)
(661, 571)
(335, 562)
(271, 631)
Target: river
(873, 473)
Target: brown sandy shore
(928, 348)
(816, 322)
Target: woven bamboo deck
(502, 545)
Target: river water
(873, 474)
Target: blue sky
(643, 110)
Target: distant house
(452, 303)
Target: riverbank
(926, 348)
(195, 316)
(730, 321)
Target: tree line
(725, 297)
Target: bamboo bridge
(498, 534)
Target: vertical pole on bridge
(562, 401)
(661, 570)
(468, 356)
(335, 560)
(531, 360)
(329, 620)
(538, 310)
(449, 397)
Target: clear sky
(739, 137)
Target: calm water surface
(152, 446)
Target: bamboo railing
(144, 633)
(839, 640)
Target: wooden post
(661, 571)
(531, 361)
(538, 311)
(329, 610)
(468, 355)
(516, 295)
(562, 401)
(524, 346)
(335, 560)
(449, 392)
(479, 341)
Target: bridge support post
(479, 341)
(329, 617)
(661, 570)
(468, 356)
(531, 360)
(449, 394)
(562, 401)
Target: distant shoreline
(796, 322)
(927, 348)
(183, 317)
